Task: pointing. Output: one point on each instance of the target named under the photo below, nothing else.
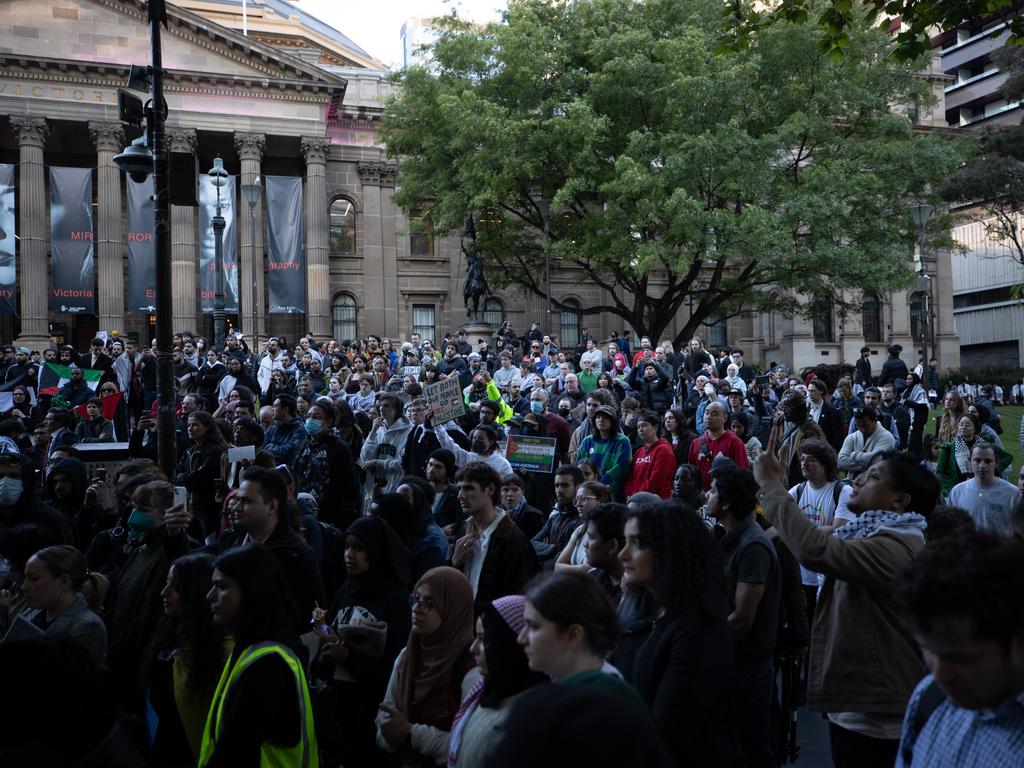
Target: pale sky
(374, 26)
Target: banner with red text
(141, 248)
(71, 237)
(8, 242)
(207, 243)
(286, 264)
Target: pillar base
(33, 342)
(477, 331)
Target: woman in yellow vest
(261, 713)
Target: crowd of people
(335, 575)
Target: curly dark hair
(824, 453)
(947, 578)
(687, 564)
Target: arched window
(343, 314)
(822, 320)
(494, 312)
(918, 316)
(569, 335)
(421, 234)
(343, 227)
(871, 311)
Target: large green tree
(677, 175)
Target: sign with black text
(534, 454)
(444, 400)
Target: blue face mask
(139, 521)
(314, 426)
(537, 406)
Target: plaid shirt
(954, 737)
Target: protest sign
(534, 454)
(444, 400)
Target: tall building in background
(988, 319)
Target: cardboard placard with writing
(444, 400)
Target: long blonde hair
(951, 419)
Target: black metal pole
(165, 439)
(218, 297)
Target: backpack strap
(931, 699)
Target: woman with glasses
(433, 674)
(574, 555)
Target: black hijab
(390, 562)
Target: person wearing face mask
(483, 447)
(326, 468)
(19, 505)
(156, 538)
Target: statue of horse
(475, 287)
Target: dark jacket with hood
(286, 441)
(73, 508)
(30, 509)
(208, 380)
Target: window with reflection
(343, 227)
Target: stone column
(389, 254)
(373, 250)
(33, 284)
(318, 272)
(109, 140)
(184, 267)
(250, 152)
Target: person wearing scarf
(433, 674)
(506, 675)
(954, 465)
(375, 592)
(863, 665)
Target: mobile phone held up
(181, 497)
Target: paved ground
(812, 732)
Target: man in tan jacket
(863, 664)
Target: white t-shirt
(819, 506)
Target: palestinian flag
(52, 377)
(110, 403)
(7, 395)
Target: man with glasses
(287, 437)
(422, 442)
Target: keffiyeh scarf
(877, 520)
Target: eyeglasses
(422, 603)
(579, 501)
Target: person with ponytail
(66, 598)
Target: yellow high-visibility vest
(305, 753)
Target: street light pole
(920, 214)
(218, 177)
(166, 444)
(253, 193)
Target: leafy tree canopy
(916, 18)
(677, 176)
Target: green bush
(1004, 376)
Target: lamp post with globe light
(219, 178)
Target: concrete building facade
(279, 93)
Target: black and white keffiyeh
(877, 520)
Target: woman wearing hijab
(375, 595)
(433, 674)
(506, 675)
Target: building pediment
(91, 35)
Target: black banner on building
(141, 248)
(71, 239)
(207, 254)
(286, 267)
(8, 242)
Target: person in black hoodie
(208, 379)
(66, 484)
(19, 505)
(375, 593)
(676, 648)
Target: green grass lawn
(1011, 434)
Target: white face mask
(10, 490)
(709, 390)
